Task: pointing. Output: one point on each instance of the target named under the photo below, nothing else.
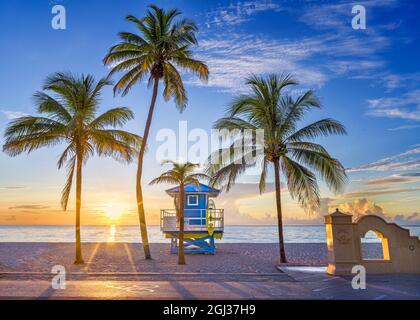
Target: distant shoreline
(131, 234)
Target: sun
(114, 211)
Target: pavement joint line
(303, 278)
(329, 279)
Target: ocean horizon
(130, 234)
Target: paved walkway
(289, 283)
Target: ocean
(130, 234)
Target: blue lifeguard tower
(203, 223)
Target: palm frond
(120, 145)
(115, 117)
(49, 105)
(263, 176)
(324, 127)
(65, 194)
(330, 169)
(164, 179)
(174, 87)
(301, 183)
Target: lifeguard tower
(203, 223)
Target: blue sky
(368, 79)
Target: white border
(193, 204)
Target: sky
(367, 79)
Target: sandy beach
(237, 271)
(128, 257)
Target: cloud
(239, 12)
(230, 202)
(396, 178)
(407, 160)
(11, 115)
(378, 192)
(405, 127)
(231, 58)
(413, 218)
(12, 188)
(405, 107)
(390, 81)
(338, 15)
(393, 81)
(314, 60)
(234, 56)
(29, 207)
(361, 207)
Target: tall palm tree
(289, 149)
(70, 106)
(181, 174)
(160, 48)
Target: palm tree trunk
(181, 253)
(279, 213)
(139, 192)
(79, 164)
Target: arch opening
(374, 246)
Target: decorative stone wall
(400, 251)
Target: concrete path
(152, 286)
(378, 287)
(290, 283)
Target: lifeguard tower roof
(192, 188)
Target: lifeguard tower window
(192, 200)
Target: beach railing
(197, 220)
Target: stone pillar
(342, 243)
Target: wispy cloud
(396, 178)
(405, 127)
(12, 188)
(313, 60)
(408, 160)
(378, 192)
(11, 115)
(405, 107)
(231, 203)
(29, 207)
(232, 57)
(337, 15)
(239, 12)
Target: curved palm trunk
(79, 164)
(181, 253)
(139, 192)
(279, 213)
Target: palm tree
(181, 174)
(289, 149)
(70, 105)
(161, 45)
